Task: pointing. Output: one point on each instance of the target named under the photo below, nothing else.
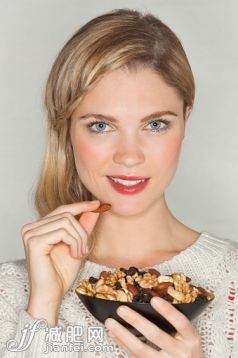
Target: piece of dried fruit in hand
(103, 207)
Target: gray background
(204, 193)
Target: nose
(129, 152)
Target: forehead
(121, 90)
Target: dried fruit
(118, 285)
(103, 207)
(93, 279)
(132, 270)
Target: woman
(118, 99)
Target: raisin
(93, 279)
(200, 298)
(168, 298)
(136, 298)
(132, 270)
(146, 298)
(118, 285)
(143, 291)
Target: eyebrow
(113, 119)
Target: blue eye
(158, 125)
(98, 125)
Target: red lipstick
(121, 183)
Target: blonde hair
(122, 38)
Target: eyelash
(167, 124)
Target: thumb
(88, 221)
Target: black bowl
(102, 309)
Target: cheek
(173, 149)
(168, 153)
(84, 155)
(87, 154)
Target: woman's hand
(54, 246)
(186, 343)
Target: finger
(88, 221)
(75, 208)
(63, 221)
(43, 244)
(47, 219)
(180, 322)
(150, 330)
(120, 344)
(72, 209)
(129, 341)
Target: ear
(188, 110)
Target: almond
(104, 274)
(162, 288)
(132, 289)
(202, 291)
(153, 271)
(103, 207)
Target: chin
(127, 208)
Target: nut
(162, 278)
(111, 297)
(153, 271)
(123, 282)
(142, 285)
(104, 275)
(129, 279)
(99, 295)
(100, 282)
(121, 296)
(179, 296)
(103, 207)
(132, 289)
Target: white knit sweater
(211, 262)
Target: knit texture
(210, 262)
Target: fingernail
(110, 323)
(156, 300)
(123, 311)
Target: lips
(128, 184)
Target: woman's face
(129, 124)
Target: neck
(140, 240)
